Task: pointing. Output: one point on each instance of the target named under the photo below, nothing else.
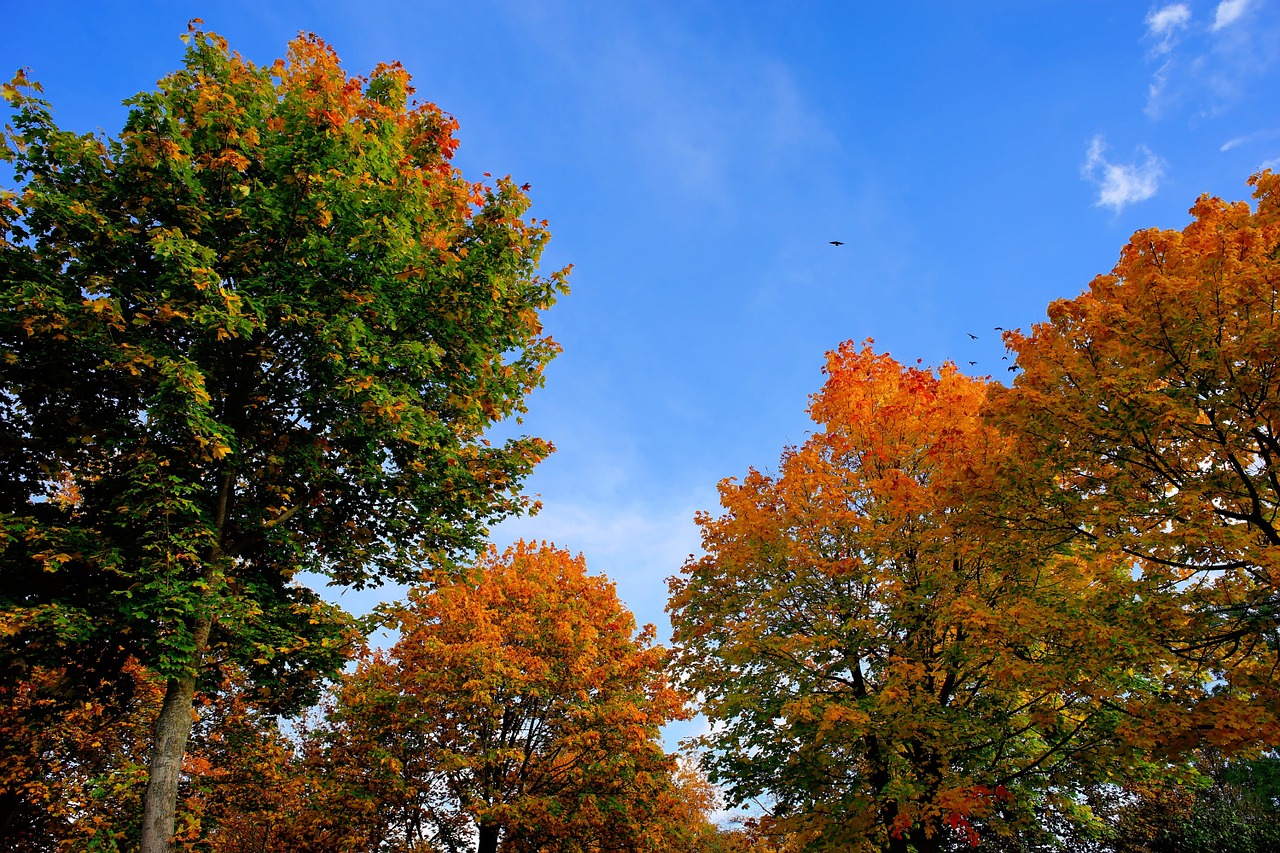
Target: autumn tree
(251, 788)
(72, 765)
(1148, 417)
(519, 707)
(883, 668)
(261, 331)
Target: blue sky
(694, 159)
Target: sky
(978, 160)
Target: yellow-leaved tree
(1147, 418)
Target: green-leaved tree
(261, 331)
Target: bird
(835, 242)
(973, 362)
(972, 336)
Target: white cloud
(1121, 184)
(1165, 23)
(1250, 138)
(1228, 12)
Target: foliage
(1235, 808)
(252, 789)
(520, 704)
(1148, 413)
(73, 771)
(261, 332)
(73, 765)
(882, 666)
(270, 320)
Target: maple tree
(519, 707)
(682, 811)
(261, 332)
(73, 771)
(884, 666)
(1148, 419)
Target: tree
(73, 767)
(1148, 415)
(883, 667)
(519, 706)
(261, 332)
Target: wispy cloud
(1121, 184)
(638, 545)
(1228, 12)
(1206, 63)
(1164, 24)
(688, 114)
(1250, 138)
(1156, 100)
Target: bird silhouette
(972, 336)
(835, 242)
(999, 328)
(973, 362)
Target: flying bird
(973, 362)
(835, 242)
(972, 336)
(999, 328)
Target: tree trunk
(488, 838)
(172, 730)
(173, 727)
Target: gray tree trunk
(172, 730)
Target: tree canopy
(1148, 419)
(521, 705)
(261, 331)
(268, 328)
(881, 664)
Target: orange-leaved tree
(252, 788)
(519, 706)
(1148, 421)
(880, 663)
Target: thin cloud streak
(1156, 91)
(1203, 63)
(1121, 184)
(1250, 138)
